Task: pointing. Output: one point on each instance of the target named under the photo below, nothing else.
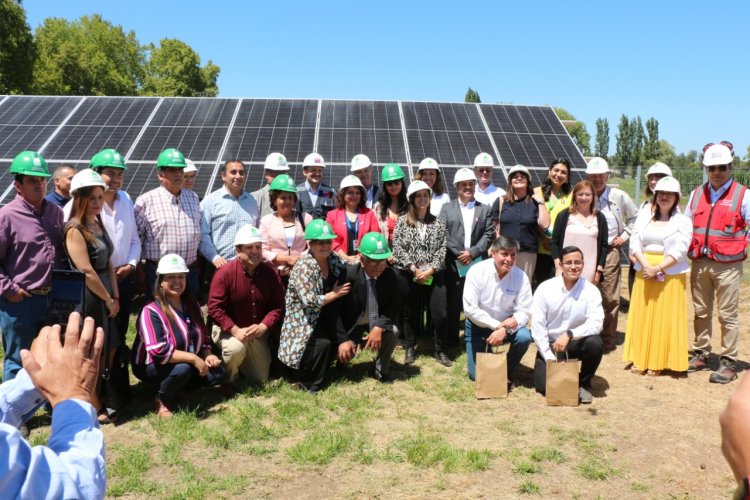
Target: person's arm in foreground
(72, 465)
(735, 431)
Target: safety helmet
(247, 235)
(319, 229)
(171, 264)
(283, 182)
(391, 172)
(171, 157)
(484, 160)
(360, 162)
(107, 158)
(29, 163)
(374, 246)
(668, 184)
(464, 174)
(659, 168)
(597, 165)
(718, 154)
(313, 160)
(277, 162)
(417, 186)
(351, 181)
(519, 168)
(190, 166)
(428, 164)
(86, 178)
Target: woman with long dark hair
(429, 173)
(391, 201)
(555, 192)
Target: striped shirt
(158, 337)
(221, 216)
(169, 224)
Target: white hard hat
(464, 174)
(247, 235)
(519, 168)
(597, 165)
(313, 160)
(417, 186)
(484, 160)
(360, 162)
(190, 166)
(428, 164)
(659, 168)
(171, 264)
(667, 184)
(86, 178)
(351, 181)
(276, 161)
(718, 154)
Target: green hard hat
(107, 158)
(391, 172)
(374, 246)
(319, 230)
(283, 182)
(29, 163)
(171, 157)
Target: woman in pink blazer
(283, 230)
(351, 220)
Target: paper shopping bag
(491, 375)
(562, 382)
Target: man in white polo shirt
(486, 192)
(362, 168)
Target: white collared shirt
(313, 194)
(556, 310)
(370, 195)
(467, 214)
(489, 195)
(489, 299)
(605, 209)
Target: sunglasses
(484, 169)
(722, 168)
(723, 143)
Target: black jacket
(558, 236)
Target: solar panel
(33, 110)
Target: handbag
(562, 382)
(492, 375)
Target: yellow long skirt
(656, 337)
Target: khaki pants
(252, 358)
(709, 279)
(526, 262)
(609, 287)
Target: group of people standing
(303, 274)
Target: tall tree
(637, 135)
(624, 143)
(652, 144)
(576, 129)
(17, 49)
(89, 56)
(601, 147)
(174, 69)
(472, 96)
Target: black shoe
(443, 359)
(24, 429)
(725, 373)
(381, 377)
(410, 356)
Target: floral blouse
(420, 244)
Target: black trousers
(172, 377)
(545, 269)
(587, 349)
(315, 362)
(454, 301)
(421, 298)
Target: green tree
(576, 129)
(17, 49)
(637, 136)
(472, 96)
(601, 148)
(173, 69)
(652, 144)
(89, 56)
(623, 154)
(666, 153)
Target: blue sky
(684, 63)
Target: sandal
(104, 417)
(634, 369)
(654, 373)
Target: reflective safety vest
(719, 231)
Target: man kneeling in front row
(567, 315)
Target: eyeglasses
(667, 194)
(722, 168)
(723, 143)
(483, 170)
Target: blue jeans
(476, 337)
(20, 323)
(172, 377)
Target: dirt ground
(654, 437)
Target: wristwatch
(569, 334)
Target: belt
(45, 290)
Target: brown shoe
(162, 410)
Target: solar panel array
(211, 131)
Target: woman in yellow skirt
(656, 336)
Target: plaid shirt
(169, 224)
(221, 216)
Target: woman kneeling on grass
(172, 349)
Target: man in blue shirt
(61, 180)
(72, 465)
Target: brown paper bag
(491, 375)
(562, 382)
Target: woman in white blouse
(656, 336)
